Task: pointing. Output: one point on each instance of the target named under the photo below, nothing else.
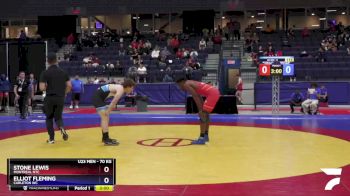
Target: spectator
(194, 54)
(132, 73)
(118, 67)
(310, 105)
(175, 43)
(121, 42)
(270, 51)
(237, 30)
(348, 50)
(155, 53)
(210, 44)
(291, 33)
(305, 33)
(110, 65)
(180, 53)
(134, 44)
(164, 54)
(21, 93)
(321, 55)
(70, 39)
(167, 77)
(95, 62)
(269, 30)
(4, 92)
(296, 99)
(77, 90)
(141, 73)
(22, 35)
(186, 53)
(148, 45)
(202, 44)
(121, 52)
(96, 81)
(90, 80)
(188, 71)
(323, 94)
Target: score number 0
(264, 70)
(288, 70)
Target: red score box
(264, 70)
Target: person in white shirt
(141, 73)
(202, 44)
(155, 53)
(194, 54)
(109, 65)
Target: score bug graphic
(83, 174)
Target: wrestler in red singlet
(197, 90)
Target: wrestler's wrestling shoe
(199, 141)
(110, 142)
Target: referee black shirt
(56, 80)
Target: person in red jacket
(197, 90)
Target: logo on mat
(335, 181)
(165, 142)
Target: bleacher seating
(110, 53)
(336, 67)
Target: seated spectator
(121, 42)
(148, 45)
(210, 43)
(261, 51)
(175, 43)
(109, 65)
(268, 29)
(186, 53)
(291, 33)
(217, 39)
(141, 73)
(202, 44)
(323, 94)
(155, 53)
(310, 105)
(188, 71)
(118, 67)
(134, 44)
(194, 54)
(96, 81)
(167, 77)
(95, 62)
(180, 53)
(164, 54)
(305, 33)
(296, 99)
(135, 56)
(348, 50)
(90, 81)
(70, 39)
(321, 55)
(270, 51)
(121, 52)
(132, 73)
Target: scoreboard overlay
(83, 174)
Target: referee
(56, 83)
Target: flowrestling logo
(335, 181)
